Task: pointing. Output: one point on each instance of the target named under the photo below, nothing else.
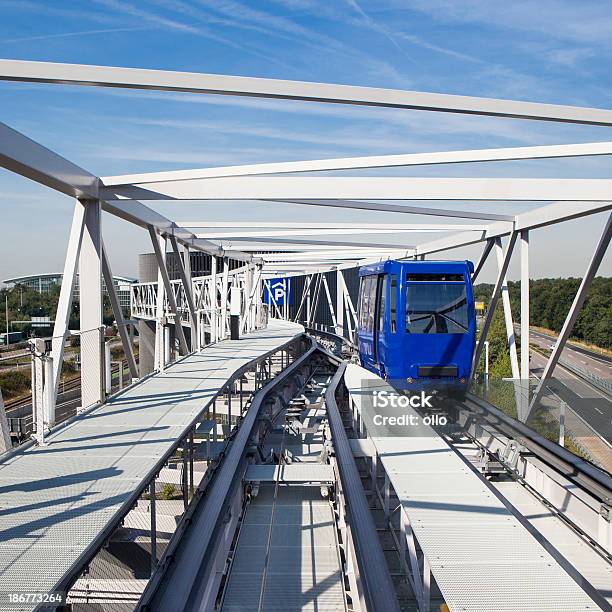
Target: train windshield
(434, 307)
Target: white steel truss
(299, 248)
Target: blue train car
(417, 325)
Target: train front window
(436, 308)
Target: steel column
(64, 306)
(90, 299)
(525, 304)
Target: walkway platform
(481, 556)
(55, 500)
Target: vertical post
(213, 299)
(329, 302)
(525, 304)
(64, 305)
(562, 411)
(185, 475)
(108, 374)
(167, 348)
(160, 306)
(49, 391)
(152, 510)
(214, 411)
(339, 303)
(90, 298)
(191, 485)
(224, 298)
(5, 434)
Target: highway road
(588, 402)
(599, 365)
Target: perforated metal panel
(483, 559)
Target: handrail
(379, 591)
(579, 471)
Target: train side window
(365, 302)
(372, 302)
(361, 302)
(392, 303)
(382, 293)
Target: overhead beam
(376, 161)
(376, 188)
(138, 78)
(298, 242)
(540, 217)
(243, 234)
(24, 156)
(294, 225)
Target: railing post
(152, 511)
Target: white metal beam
(238, 234)
(161, 265)
(186, 288)
(119, 318)
(540, 217)
(501, 275)
(375, 188)
(24, 156)
(90, 304)
(271, 243)
(377, 161)
(505, 294)
(574, 311)
(310, 225)
(525, 318)
(64, 305)
(138, 78)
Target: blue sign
(277, 291)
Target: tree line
(550, 300)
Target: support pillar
(525, 305)
(90, 299)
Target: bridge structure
(240, 468)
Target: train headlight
(409, 380)
(462, 380)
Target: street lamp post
(8, 338)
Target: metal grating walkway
(287, 554)
(481, 556)
(55, 500)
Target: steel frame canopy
(121, 195)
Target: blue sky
(549, 51)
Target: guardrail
(600, 383)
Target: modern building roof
(19, 279)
